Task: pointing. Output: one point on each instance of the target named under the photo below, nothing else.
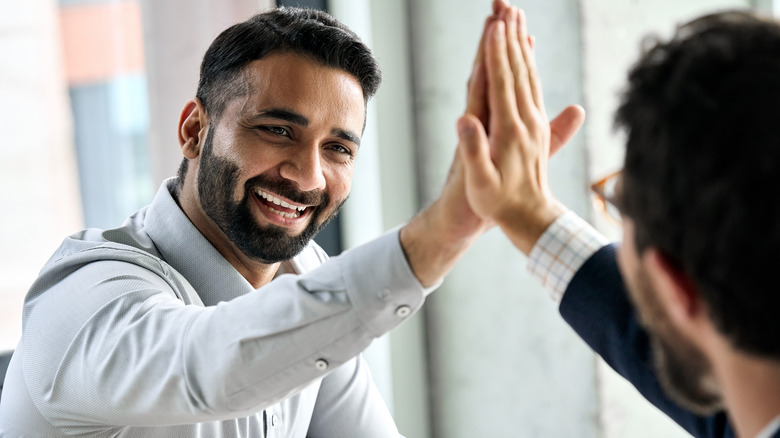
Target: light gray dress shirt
(147, 331)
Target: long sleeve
(596, 306)
(349, 405)
(112, 342)
(575, 263)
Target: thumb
(564, 126)
(474, 148)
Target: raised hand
(435, 239)
(504, 154)
(562, 127)
(473, 196)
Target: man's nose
(304, 168)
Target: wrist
(432, 244)
(524, 230)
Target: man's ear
(192, 122)
(675, 290)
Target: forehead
(324, 95)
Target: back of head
(306, 32)
(702, 161)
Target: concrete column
(502, 363)
(40, 197)
(176, 35)
(361, 217)
(386, 174)
(400, 201)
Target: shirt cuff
(560, 252)
(381, 284)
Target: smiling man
(276, 164)
(182, 322)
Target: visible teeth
(277, 201)
(285, 205)
(287, 215)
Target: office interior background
(91, 91)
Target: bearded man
(182, 322)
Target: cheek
(339, 182)
(624, 265)
(628, 266)
(252, 162)
(626, 251)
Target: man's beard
(685, 375)
(683, 371)
(217, 180)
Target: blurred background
(91, 91)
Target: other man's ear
(675, 290)
(192, 123)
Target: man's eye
(276, 130)
(341, 149)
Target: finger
(564, 126)
(479, 59)
(476, 95)
(535, 83)
(500, 83)
(477, 99)
(499, 5)
(525, 102)
(473, 147)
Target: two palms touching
(499, 175)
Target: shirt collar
(771, 430)
(185, 249)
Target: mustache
(287, 189)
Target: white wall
(176, 35)
(39, 199)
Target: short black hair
(303, 31)
(702, 166)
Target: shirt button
(403, 311)
(321, 364)
(274, 420)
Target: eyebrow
(284, 114)
(346, 135)
(299, 119)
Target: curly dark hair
(702, 161)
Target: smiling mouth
(281, 207)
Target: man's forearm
(430, 247)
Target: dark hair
(307, 32)
(304, 31)
(702, 166)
